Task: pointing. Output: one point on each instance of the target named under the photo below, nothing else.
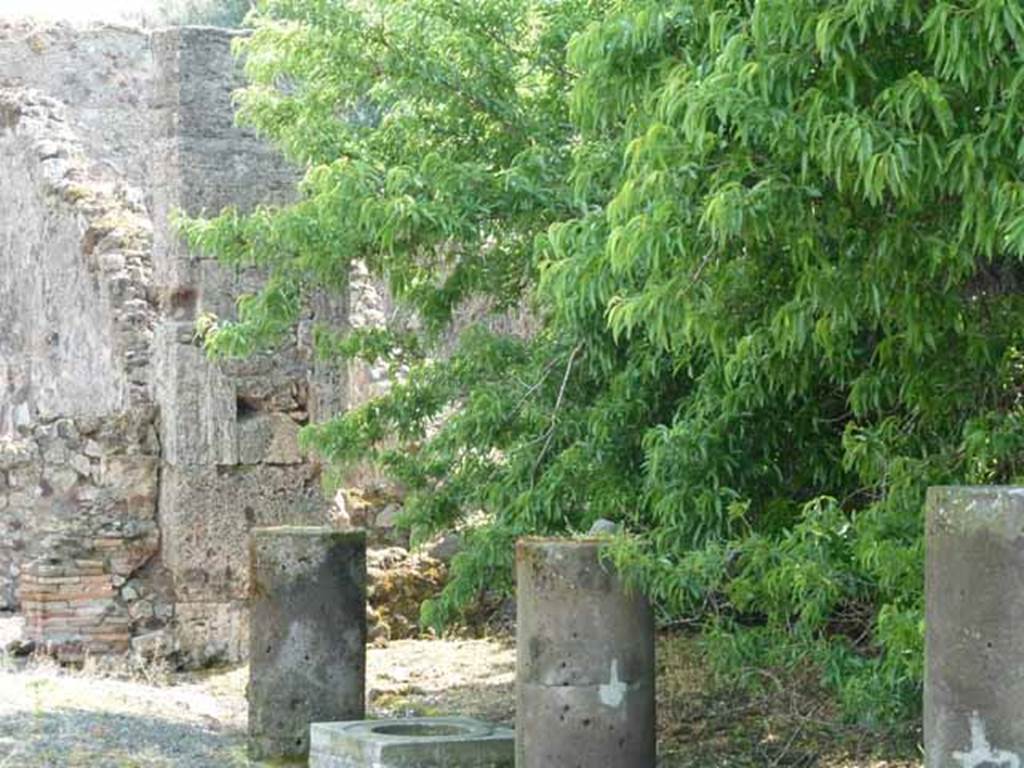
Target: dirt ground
(147, 717)
(791, 723)
(142, 716)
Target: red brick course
(71, 608)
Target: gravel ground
(146, 717)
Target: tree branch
(550, 433)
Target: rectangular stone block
(307, 657)
(197, 417)
(415, 742)
(211, 632)
(269, 438)
(206, 514)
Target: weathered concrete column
(974, 594)
(307, 642)
(585, 666)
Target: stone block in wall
(210, 632)
(134, 476)
(329, 380)
(16, 453)
(198, 404)
(328, 391)
(206, 514)
(219, 286)
(124, 555)
(269, 438)
(201, 160)
(274, 381)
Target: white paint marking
(613, 693)
(981, 753)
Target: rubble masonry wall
(131, 466)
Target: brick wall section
(71, 608)
(78, 514)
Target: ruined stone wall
(229, 431)
(131, 466)
(78, 446)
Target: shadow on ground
(78, 738)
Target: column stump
(974, 658)
(307, 641)
(585, 661)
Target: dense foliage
(770, 251)
(214, 13)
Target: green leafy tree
(772, 250)
(438, 149)
(819, 226)
(214, 13)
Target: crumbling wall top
(101, 73)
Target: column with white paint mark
(585, 678)
(974, 594)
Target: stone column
(307, 635)
(974, 595)
(585, 666)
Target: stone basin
(412, 742)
